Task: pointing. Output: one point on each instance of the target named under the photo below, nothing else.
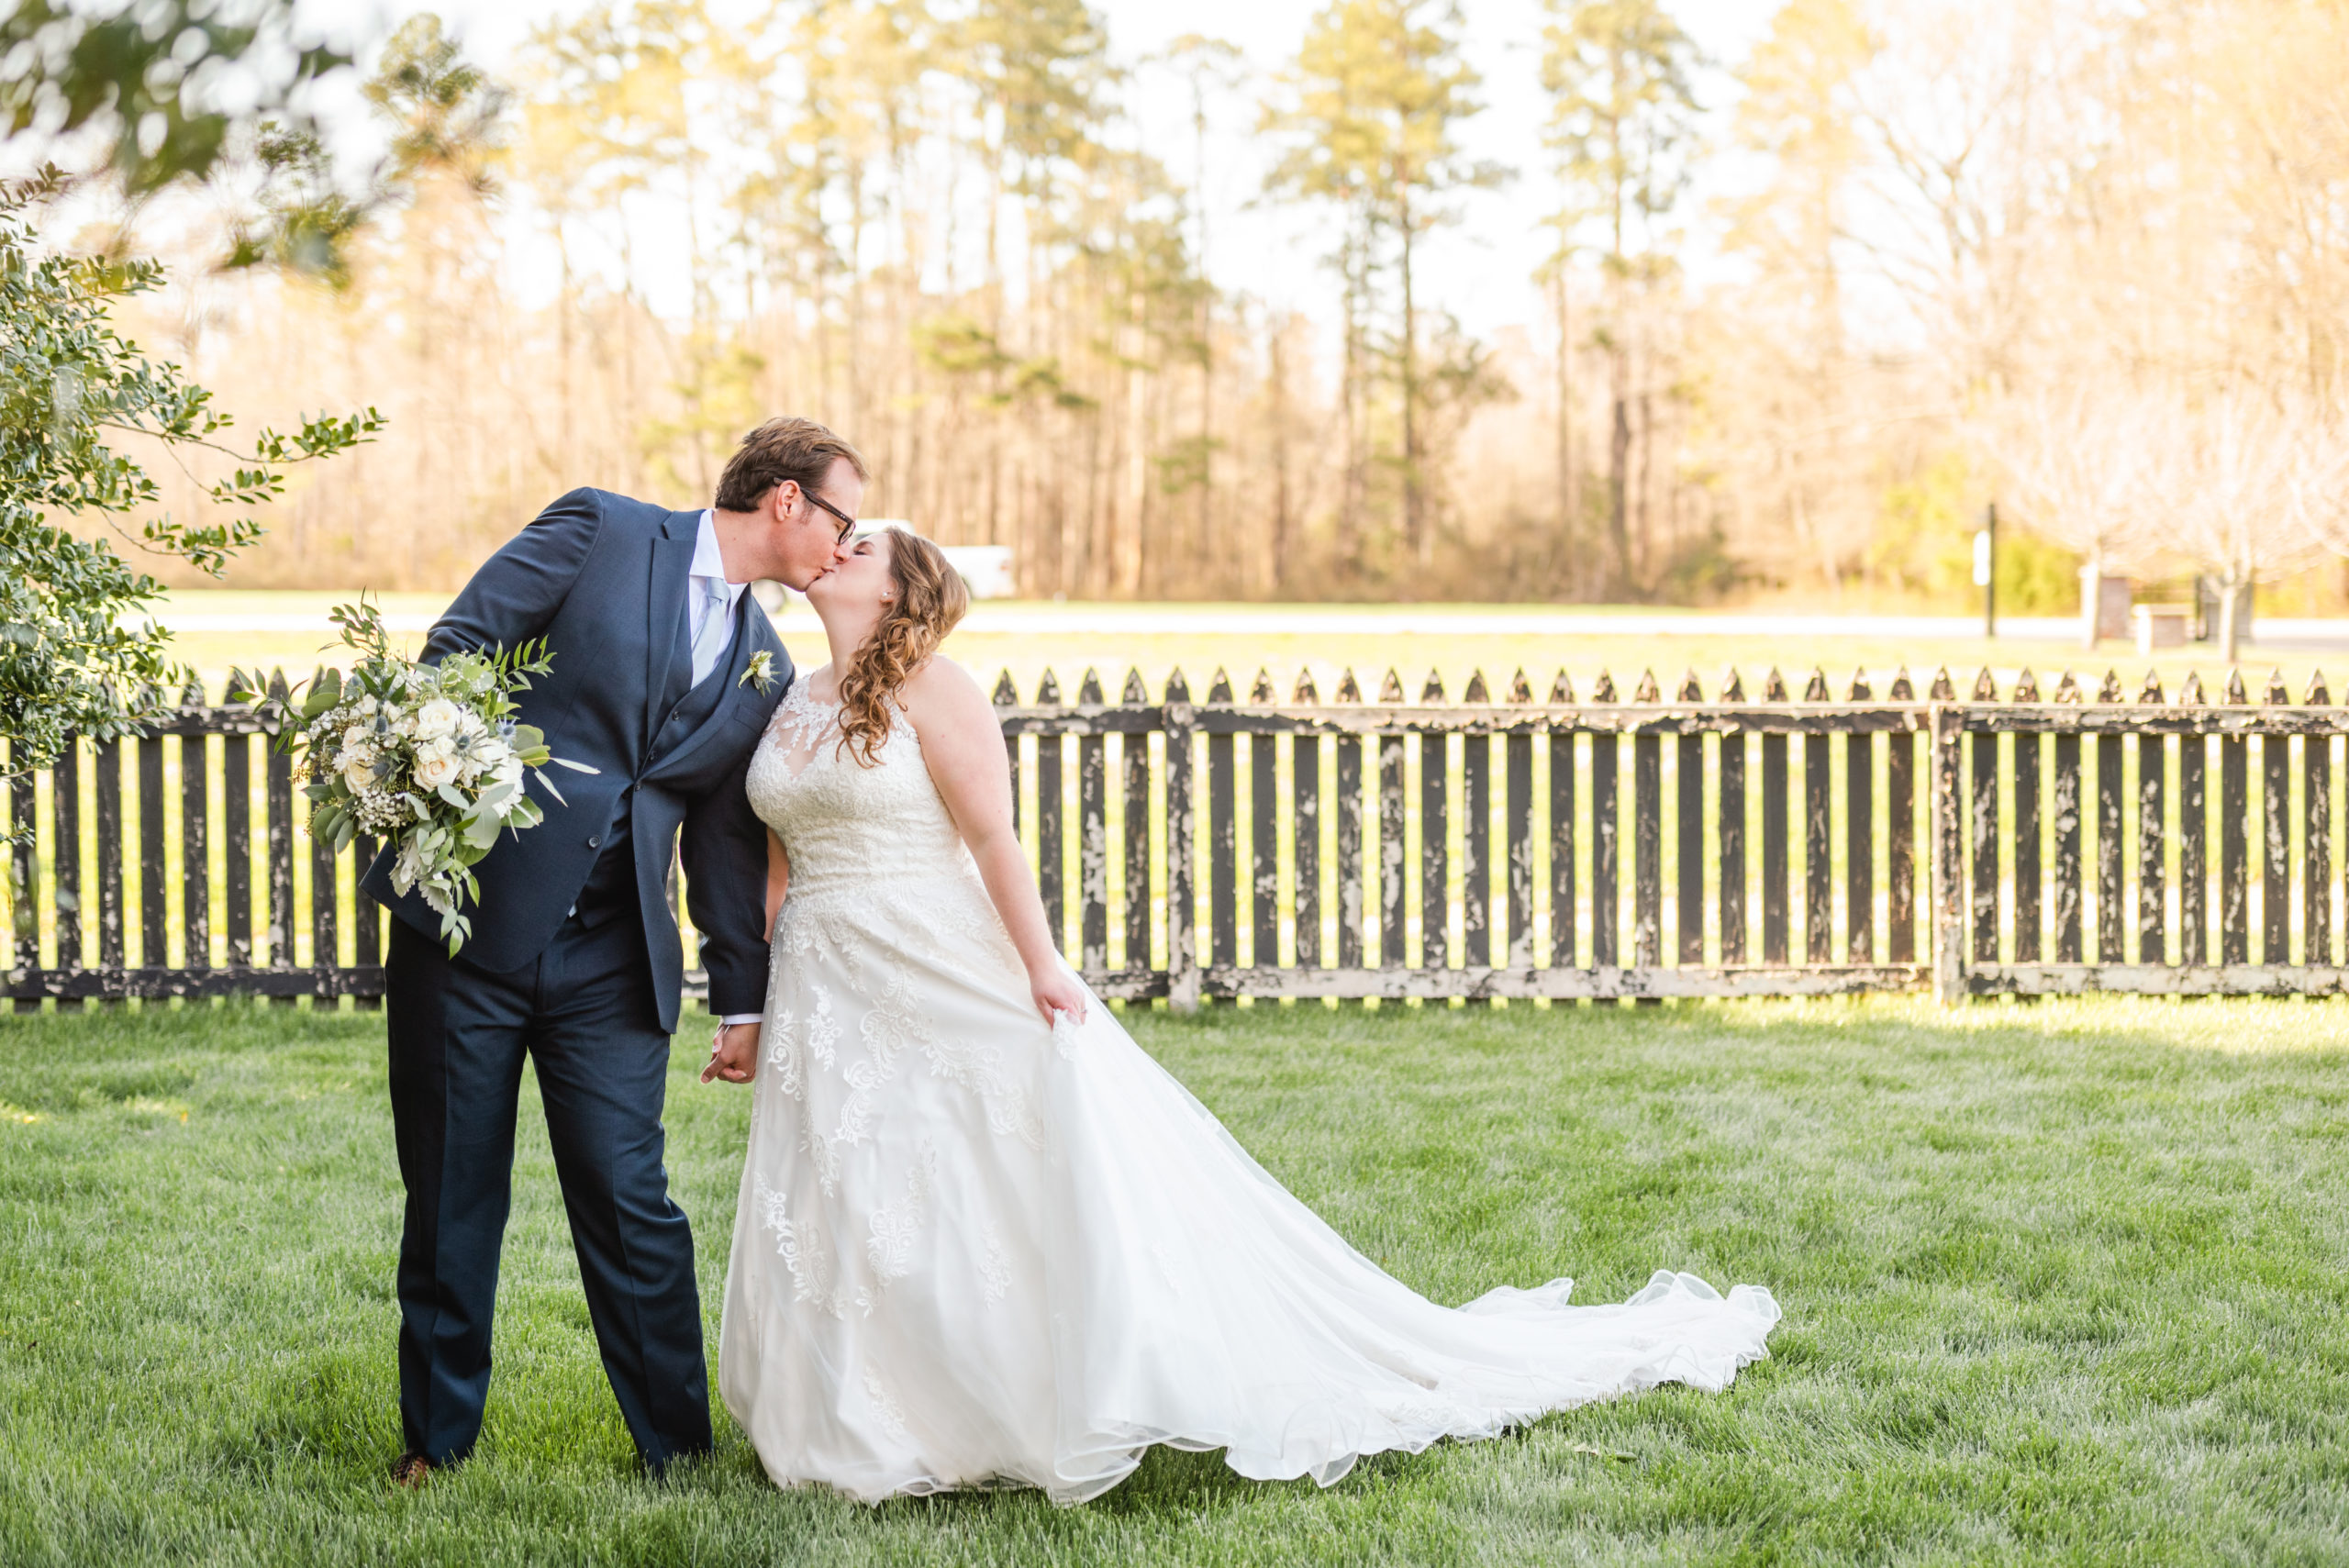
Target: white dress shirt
(710, 602)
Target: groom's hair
(785, 448)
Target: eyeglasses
(848, 524)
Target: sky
(1481, 269)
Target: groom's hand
(734, 1054)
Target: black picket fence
(1562, 850)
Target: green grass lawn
(2066, 1282)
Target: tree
(1381, 92)
(2246, 481)
(72, 388)
(2085, 468)
(156, 80)
(1622, 119)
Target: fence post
(1949, 855)
(1182, 915)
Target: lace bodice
(846, 825)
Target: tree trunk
(1279, 368)
(1618, 453)
(1415, 530)
(1569, 512)
(1646, 535)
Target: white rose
(356, 739)
(436, 718)
(435, 765)
(367, 707)
(359, 774)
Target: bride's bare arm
(778, 879)
(962, 744)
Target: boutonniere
(760, 673)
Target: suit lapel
(738, 659)
(673, 560)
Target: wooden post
(1265, 846)
(365, 933)
(1949, 856)
(1984, 819)
(2109, 814)
(277, 778)
(1435, 839)
(2067, 818)
(1181, 912)
(1390, 834)
(326, 926)
(1223, 841)
(195, 837)
(110, 848)
(2316, 866)
(1688, 782)
(1007, 694)
(65, 859)
(1305, 833)
(1475, 837)
(1133, 761)
(1900, 834)
(154, 879)
(1093, 837)
(2153, 824)
(1731, 830)
(1775, 912)
(1647, 838)
(1859, 837)
(1517, 815)
(2031, 860)
(1564, 910)
(236, 811)
(2235, 846)
(1349, 837)
(2276, 834)
(1606, 871)
(2194, 826)
(1051, 842)
(24, 870)
(1817, 852)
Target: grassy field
(2063, 1284)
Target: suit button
(594, 841)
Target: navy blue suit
(575, 961)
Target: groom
(574, 959)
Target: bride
(982, 1238)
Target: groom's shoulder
(606, 508)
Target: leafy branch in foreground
(73, 656)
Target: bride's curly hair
(931, 598)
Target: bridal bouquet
(425, 755)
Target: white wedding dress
(972, 1251)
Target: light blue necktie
(710, 636)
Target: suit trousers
(585, 1013)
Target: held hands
(733, 1054)
(1058, 992)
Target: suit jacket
(603, 579)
